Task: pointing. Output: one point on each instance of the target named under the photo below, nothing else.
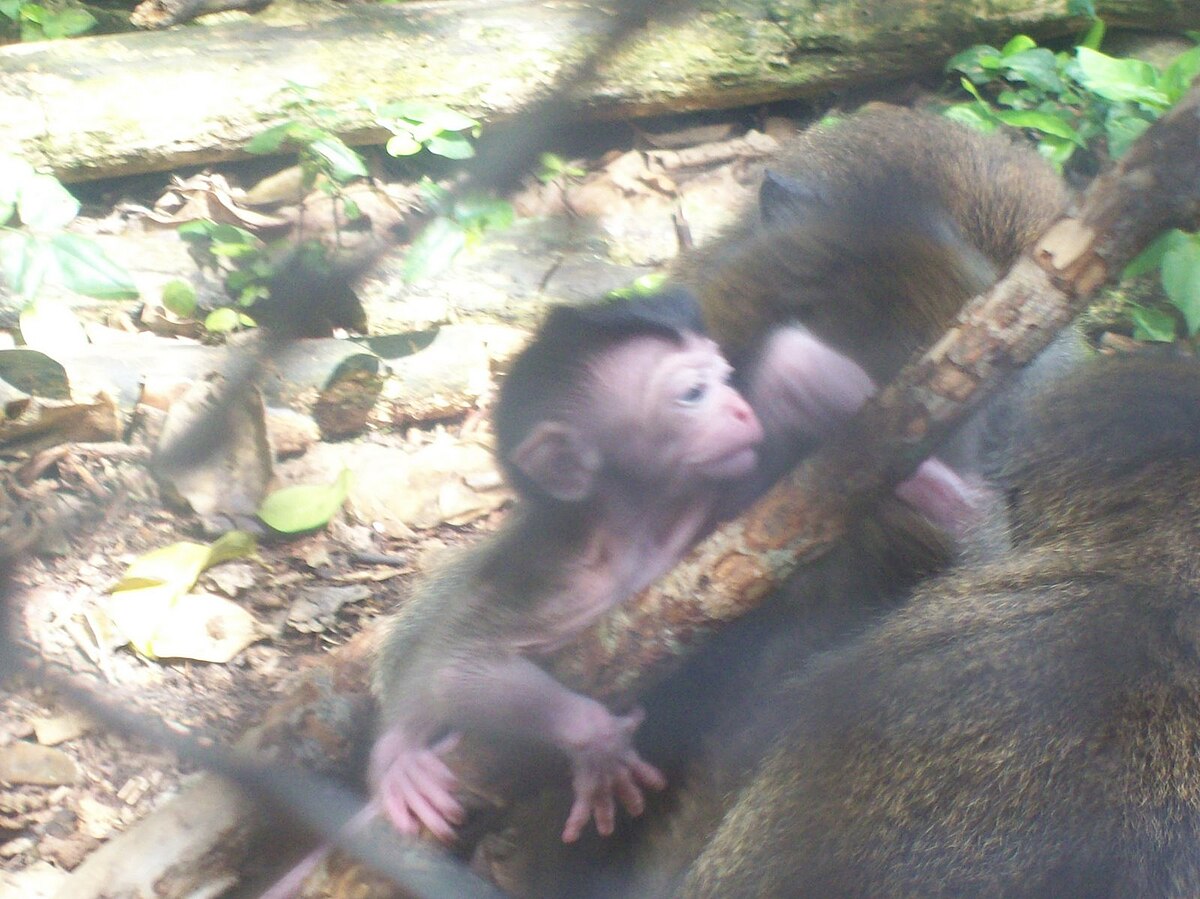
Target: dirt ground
(117, 781)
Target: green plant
(37, 252)
(305, 507)
(418, 126)
(1176, 256)
(1071, 99)
(240, 259)
(1082, 99)
(458, 224)
(246, 267)
(641, 286)
(552, 167)
(39, 22)
(326, 162)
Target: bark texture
(154, 101)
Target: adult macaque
(872, 232)
(1025, 727)
(868, 237)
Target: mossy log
(153, 101)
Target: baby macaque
(619, 430)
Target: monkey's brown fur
(1028, 727)
(896, 218)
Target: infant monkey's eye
(693, 394)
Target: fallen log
(153, 101)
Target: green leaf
(14, 174)
(1121, 129)
(421, 131)
(1152, 325)
(234, 250)
(28, 261)
(413, 110)
(1056, 150)
(305, 507)
(1178, 76)
(251, 294)
(35, 373)
(483, 213)
(51, 327)
(1095, 34)
(269, 141)
(434, 249)
(68, 23)
(971, 115)
(435, 195)
(1040, 121)
(1082, 8)
(1038, 67)
(1150, 258)
(973, 91)
(45, 205)
(85, 268)
(231, 545)
(147, 601)
(1181, 278)
(403, 145)
(451, 145)
(446, 119)
(239, 279)
(233, 234)
(221, 321)
(16, 258)
(11, 8)
(196, 230)
(1018, 44)
(295, 132)
(642, 286)
(552, 166)
(1015, 99)
(344, 163)
(440, 118)
(1120, 79)
(977, 63)
(179, 297)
